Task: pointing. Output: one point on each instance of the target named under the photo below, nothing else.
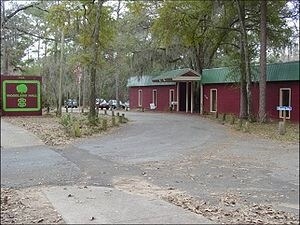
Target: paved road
(182, 152)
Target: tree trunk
(4, 59)
(92, 113)
(241, 12)
(83, 89)
(54, 73)
(262, 61)
(61, 73)
(199, 87)
(243, 91)
(117, 59)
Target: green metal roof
(173, 74)
(146, 80)
(287, 71)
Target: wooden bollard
(105, 112)
(113, 121)
(232, 119)
(97, 111)
(246, 128)
(240, 123)
(224, 117)
(104, 124)
(112, 112)
(120, 118)
(123, 118)
(216, 115)
(281, 128)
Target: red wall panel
(229, 98)
(162, 96)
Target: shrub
(66, 120)
(232, 119)
(75, 130)
(104, 124)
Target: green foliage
(75, 130)
(104, 124)
(71, 124)
(148, 36)
(231, 119)
(113, 121)
(66, 120)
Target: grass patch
(268, 130)
(77, 125)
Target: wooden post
(201, 99)
(97, 110)
(192, 98)
(79, 98)
(282, 126)
(186, 97)
(119, 117)
(177, 97)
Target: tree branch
(28, 33)
(5, 19)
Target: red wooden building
(143, 92)
(172, 90)
(220, 90)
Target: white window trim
(170, 91)
(154, 91)
(140, 97)
(280, 101)
(210, 107)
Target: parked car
(75, 104)
(97, 102)
(113, 104)
(71, 103)
(126, 104)
(103, 104)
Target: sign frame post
(282, 124)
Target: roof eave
(187, 78)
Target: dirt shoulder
(267, 130)
(27, 206)
(56, 131)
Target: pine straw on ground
(49, 129)
(27, 207)
(230, 208)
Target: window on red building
(171, 96)
(154, 97)
(140, 98)
(213, 100)
(285, 100)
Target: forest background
(89, 48)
